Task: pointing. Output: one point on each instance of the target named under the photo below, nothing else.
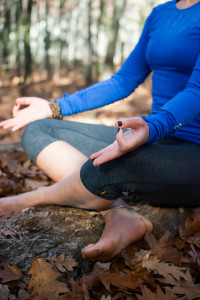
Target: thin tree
(27, 49)
(18, 22)
(88, 64)
(6, 30)
(47, 41)
(118, 10)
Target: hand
(136, 136)
(37, 109)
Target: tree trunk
(119, 7)
(27, 49)
(47, 41)
(88, 76)
(6, 31)
(18, 22)
(99, 23)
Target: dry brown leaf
(164, 269)
(195, 213)
(10, 273)
(191, 232)
(64, 264)
(159, 295)
(44, 284)
(120, 280)
(9, 186)
(70, 263)
(86, 292)
(191, 290)
(167, 280)
(131, 259)
(163, 248)
(34, 184)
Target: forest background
(48, 47)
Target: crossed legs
(122, 226)
(62, 162)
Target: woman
(164, 170)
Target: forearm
(99, 94)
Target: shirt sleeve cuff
(161, 124)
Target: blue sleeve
(177, 112)
(133, 72)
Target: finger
(6, 123)
(16, 109)
(18, 126)
(106, 156)
(97, 154)
(21, 123)
(24, 101)
(129, 122)
(122, 141)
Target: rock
(48, 231)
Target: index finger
(107, 156)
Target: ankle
(39, 196)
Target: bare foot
(122, 227)
(13, 205)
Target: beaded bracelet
(55, 108)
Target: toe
(90, 252)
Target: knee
(32, 138)
(30, 133)
(99, 181)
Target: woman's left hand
(136, 136)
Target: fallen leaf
(44, 284)
(9, 273)
(64, 264)
(147, 294)
(120, 280)
(34, 184)
(163, 248)
(191, 290)
(191, 232)
(164, 269)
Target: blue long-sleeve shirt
(170, 47)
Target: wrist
(55, 110)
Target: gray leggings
(166, 173)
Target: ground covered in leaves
(40, 251)
(40, 248)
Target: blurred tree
(6, 31)
(18, 23)
(53, 35)
(118, 10)
(27, 49)
(47, 41)
(88, 60)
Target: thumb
(133, 123)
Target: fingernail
(118, 129)
(119, 123)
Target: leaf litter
(157, 268)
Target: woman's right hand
(37, 109)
